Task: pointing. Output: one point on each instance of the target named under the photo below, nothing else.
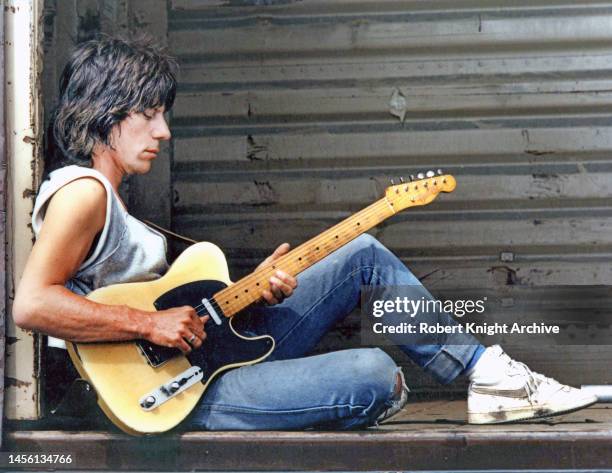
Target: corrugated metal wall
(292, 115)
(283, 126)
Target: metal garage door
(292, 115)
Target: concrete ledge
(577, 441)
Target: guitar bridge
(168, 390)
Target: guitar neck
(249, 289)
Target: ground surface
(429, 435)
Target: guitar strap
(170, 233)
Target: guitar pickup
(170, 389)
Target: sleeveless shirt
(127, 250)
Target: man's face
(136, 140)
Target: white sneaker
(520, 394)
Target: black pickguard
(221, 346)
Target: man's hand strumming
(180, 327)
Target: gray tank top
(127, 250)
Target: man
(109, 124)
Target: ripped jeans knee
(398, 400)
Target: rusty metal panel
(292, 115)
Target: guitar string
(291, 267)
(300, 252)
(305, 248)
(367, 213)
(375, 208)
(293, 263)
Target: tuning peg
(430, 174)
(411, 177)
(440, 172)
(420, 176)
(401, 180)
(392, 182)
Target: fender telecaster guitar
(144, 388)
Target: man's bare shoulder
(83, 199)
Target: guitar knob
(420, 176)
(174, 387)
(430, 174)
(148, 402)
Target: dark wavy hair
(104, 81)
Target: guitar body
(122, 374)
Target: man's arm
(74, 217)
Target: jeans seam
(226, 408)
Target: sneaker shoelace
(533, 378)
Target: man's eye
(148, 116)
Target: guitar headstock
(419, 190)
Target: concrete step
(429, 435)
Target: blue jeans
(339, 390)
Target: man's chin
(143, 167)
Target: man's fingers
(279, 288)
(197, 329)
(196, 343)
(281, 250)
(269, 297)
(278, 252)
(287, 279)
(199, 333)
(200, 322)
(193, 341)
(183, 346)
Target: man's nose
(161, 131)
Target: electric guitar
(144, 388)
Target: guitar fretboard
(249, 289)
